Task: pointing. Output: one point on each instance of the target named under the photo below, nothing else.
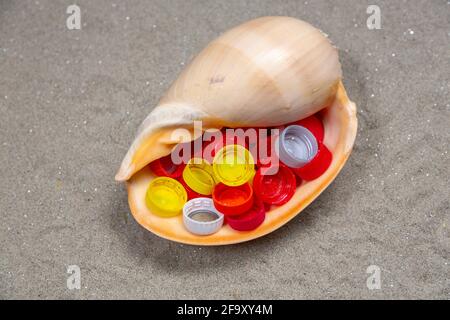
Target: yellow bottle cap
(198, 175)
(165, 197)
(233, 165)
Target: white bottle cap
(296, 146)
(200, 217)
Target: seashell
(266, 72)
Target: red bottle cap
(317, 166)
(190, 193)
(313, 124)
(277, 188)
(233, 201)
(165, 167)
(249, 220)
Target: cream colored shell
(266, 72)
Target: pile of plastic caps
(227, 186)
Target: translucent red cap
(317, 166)
(277, 188)
(313, 124)
(233, 200)
(249, 220)
(165, 167)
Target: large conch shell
(266, 72)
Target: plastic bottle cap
(296, 146)
(313, 124)
(275, 189)
(165, 197)
(233, 200)
(201, 217)
(165, 167)
(250, 220)
(233, 165)
(198, 176)
(191, 194)
(317, 166)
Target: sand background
(70, 104)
